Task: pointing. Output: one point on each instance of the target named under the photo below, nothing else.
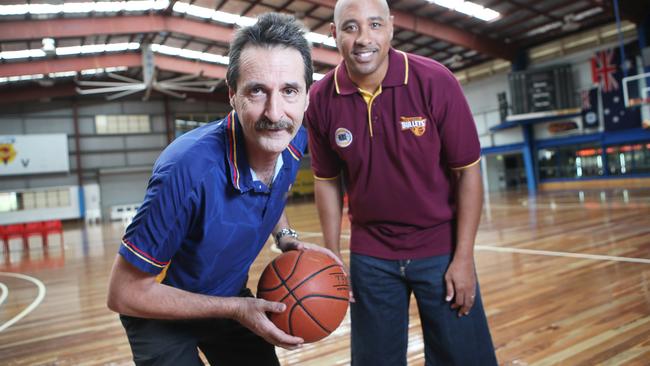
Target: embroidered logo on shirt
(343, 137)
(417, 125)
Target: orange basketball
(314, 288)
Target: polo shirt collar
(240, 171)
(397, 74)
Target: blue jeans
(382, 290)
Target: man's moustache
(266, 125)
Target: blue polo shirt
(204, 218)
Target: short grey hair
(271, 29)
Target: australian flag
(590, 101)
(607, 73)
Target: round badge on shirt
(343, 137)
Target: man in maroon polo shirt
(397, 130)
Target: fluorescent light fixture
(62, 74)
(451, 4)
(199, 11)
(101, 71)
(21, 78)
(545, 28)
(469, 8)
(44, 9)
(91, 71)
(246, 21)
(97, 48)
(11, 55)
(13, 10)
(72, 50)
(81, 7)
(71, 8)
(486, 14)
(588, 13)
(228, 18)
(190, 54)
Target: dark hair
(271, 29)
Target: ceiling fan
(174, 87)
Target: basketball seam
(282, 280)
(299, 302)
(290, 292)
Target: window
(570, 162)
(642, 159)
(122, 124)
(185, 123)
(629, 159)
(31, 200)
(8, 201)
(547, 163)
(589, 162)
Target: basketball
(313, 287)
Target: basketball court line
(4, 293)
(549, 253)
(32, 306)
(562, 254)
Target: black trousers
(223, 342)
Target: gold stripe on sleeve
(321, 178)
(142, 257)
(467, 166)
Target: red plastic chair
(7, 232)
(51, 227)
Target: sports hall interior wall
(119, 163)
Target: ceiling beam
(174, 64)
(70, 64)
(64, 28)
(444, 32)
(35, 92)
(162, 62)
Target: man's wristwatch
(285, 232)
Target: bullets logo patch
(417, 125)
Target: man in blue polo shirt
(215, 195)
(396, 129)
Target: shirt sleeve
(459, 140)
(325, 162)
(161, 223)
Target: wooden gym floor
(565, 278)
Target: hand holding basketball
(289, 243)
(313, 287)
(251, 313)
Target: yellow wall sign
(7, 153)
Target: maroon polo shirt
(395, 152)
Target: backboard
(636, 89)
(636, 94)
